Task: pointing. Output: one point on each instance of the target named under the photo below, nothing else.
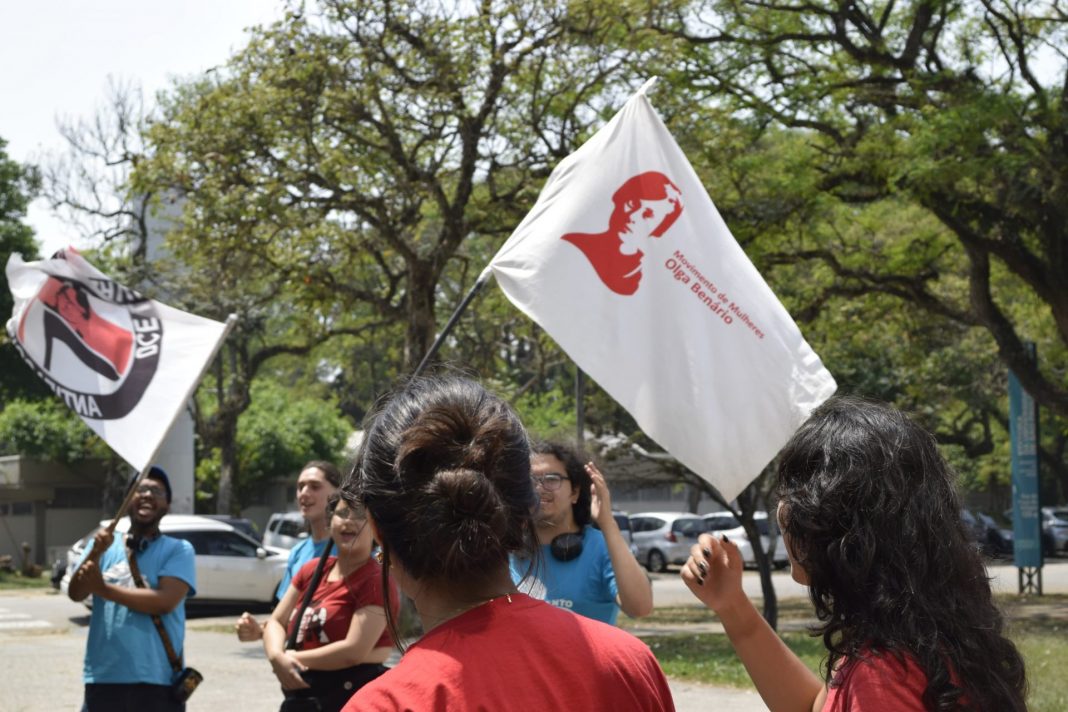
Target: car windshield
(1061, 514)
(688, 527)
(290, 527)
(995, 520)
(715, 524)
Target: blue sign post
(1026, 520)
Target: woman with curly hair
(586, 570)
(871, 522)
(444, 473)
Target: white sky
(56, 57)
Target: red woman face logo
(646, 206)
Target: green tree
(280, 431)
(47, 430)
(18, 185)
(945, 106)
(365, 142)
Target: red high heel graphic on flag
(101, 345)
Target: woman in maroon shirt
(341, 639)
(444, 471)
(871, 522)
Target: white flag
(627, 264)
(124, 363)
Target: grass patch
(17, 582)
(790, 609)
(709, 658)
(224, 628)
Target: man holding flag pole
(127, 365)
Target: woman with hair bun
(871, 523)
(444, 473)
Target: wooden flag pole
(231, 320)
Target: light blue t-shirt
(299, 555)
(585, 585)
(124, 646)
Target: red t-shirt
(328, 615)
(520, 655)
(880, 683)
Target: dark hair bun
(445, 471)
(470, 506)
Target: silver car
(664, 538)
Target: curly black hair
(574, 461)
(870, 512)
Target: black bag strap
(176, 662)
(291, 642)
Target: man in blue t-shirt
(316, 482)
(126, 664)
(590, 572)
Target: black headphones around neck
(566, 546)
(138, 543)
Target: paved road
(668, 589)
(42, 641)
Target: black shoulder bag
(185, 679)
(301, 700)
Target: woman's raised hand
(714, 572)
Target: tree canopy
(18, 186)
(955, 108)
(895, 170)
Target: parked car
(245, 526)
(973, 527)
(664, 538)
(285, 530)
(1054, 529)
(997, 535)
(726, 524)
(624, 528)
(231, 567)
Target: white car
(231, 567)
(285, 530)
(724, 524)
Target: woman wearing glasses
(341, 639)
(444, 471)
(585, 570)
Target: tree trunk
(421, 318)
(227, 465)
(763, 563)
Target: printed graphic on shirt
(312, 625)
(534, 587)
(119, 574)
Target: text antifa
(81, 403)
